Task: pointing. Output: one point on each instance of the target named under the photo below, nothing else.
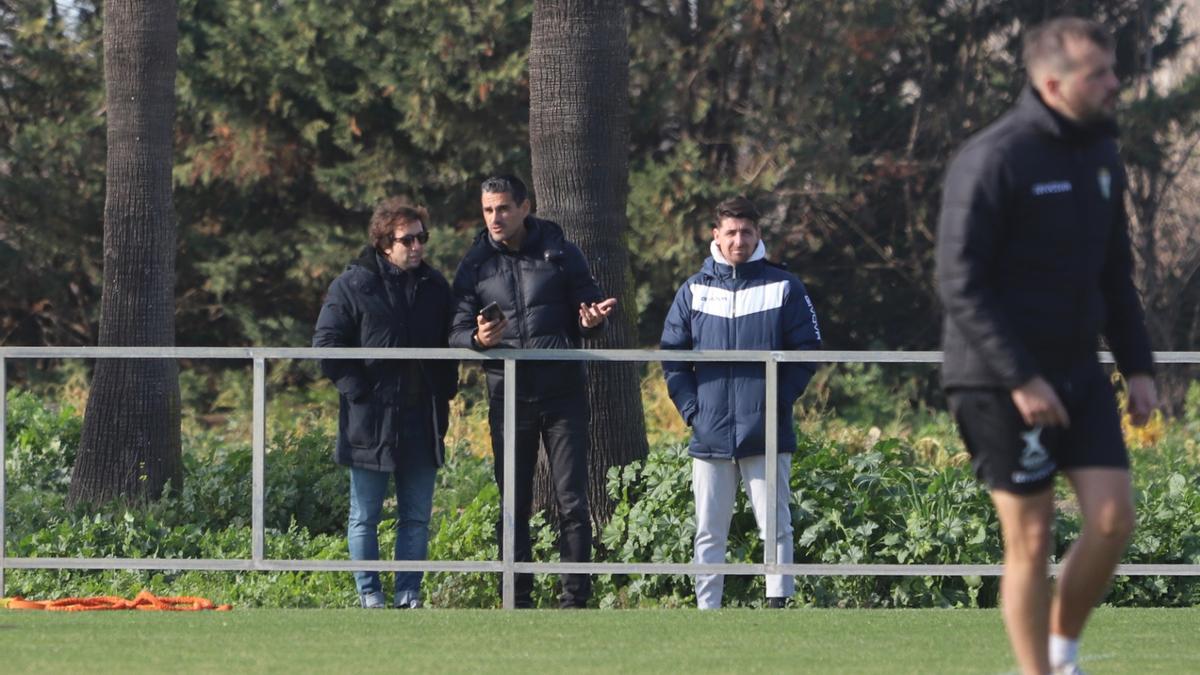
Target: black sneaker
(777, 603)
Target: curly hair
(390, 213)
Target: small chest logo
(1054, 187)
(1104, 178)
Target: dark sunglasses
(407, 240)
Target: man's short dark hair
(507, 183)
(1044, 43)
(388, 214)
(737, 207)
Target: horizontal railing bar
(815, 569)
(248, 353)
(801, 569)
(249, 565)
(626, 355)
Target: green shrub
(1167, 531)
(855, 501)
(469, 533)
(869, 394)
(42, 443)
(653, 521)
(1191, 408)
(874, 507)
(138, 535)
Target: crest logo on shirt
(1104, 178)
(1034, 454)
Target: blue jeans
(415, 473)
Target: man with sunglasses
(392, 414)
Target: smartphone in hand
(492, 312)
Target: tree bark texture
(130, 445)
(579, 140)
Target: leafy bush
(42, 443)
(653, 521)
(856, 499)
(1167, 531)
(868, 394)
(470, 534)
(875, 507)
(140, 535)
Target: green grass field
(733, 641)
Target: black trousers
(561, 423)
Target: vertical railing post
(260, 442)
(3, 445)
(772, 433)
(509, 506)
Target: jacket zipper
(1080, 235)
(732, 402)
(518, 299)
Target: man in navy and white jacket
(738, 300)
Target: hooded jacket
(365, 308)
(753, 306)
(539, 288)
(1033, 255)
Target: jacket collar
(539, 234)
(369, 259)
(1031, 108)
(716, 264)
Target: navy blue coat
(755, 306)
(374, 394)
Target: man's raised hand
(592, 315)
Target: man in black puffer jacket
(392, 414)
(542, 284)
(1034, 264)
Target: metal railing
(506, 566)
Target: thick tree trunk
(579, 138)
(130, 446)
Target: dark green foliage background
(295, 118)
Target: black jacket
(539, 288)
(363, 309)
(1033, 258)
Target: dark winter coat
(754, 306)
(1033, 255)
(367, 306)
(539, 288)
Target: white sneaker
(407, 601)
(372, 601)
(1068, 669)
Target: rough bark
(130, 446)
(579, 140)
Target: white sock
(1063, 650)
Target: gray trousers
(715, 483)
